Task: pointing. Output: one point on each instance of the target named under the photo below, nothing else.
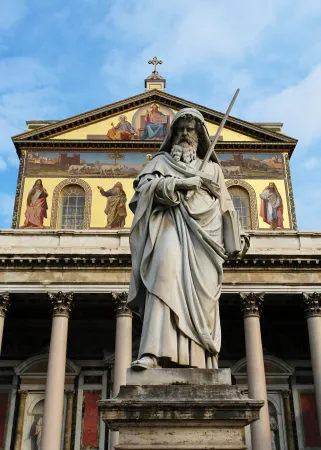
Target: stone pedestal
(187, 409)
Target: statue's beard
(184, 148)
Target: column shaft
(312, 307)
(288, 420)
(123, 350)
(54, 398)
(314, 329)
(20, 421)
(260, 430)
(68, 427)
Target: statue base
(187, 409)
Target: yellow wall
(101, 128)
(98, 217)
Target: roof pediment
(88, 122)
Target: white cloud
(298, 106)
(24, 73)
(189, 35)
(11, 12)
(28, 90)
(3, 164)
(312, 163)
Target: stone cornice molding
(62, 303)
(4, 303)
(252, 304)
(120, 304)
(312, 304)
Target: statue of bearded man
(178, 247)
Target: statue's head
(187, 137)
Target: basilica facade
(65, 269)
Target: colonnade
(54, 396)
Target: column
(4, 305)
(68, 426)
(21, 418)
(260, 430)
(123, 349)
(123, 345)
(54, 398)
(288, 420)
(312, 308)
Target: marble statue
(183, 229)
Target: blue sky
(59, 59)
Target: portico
(284, 266)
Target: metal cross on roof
(155, 61)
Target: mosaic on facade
(129, 165)
(115, 210)
(271, 209)
(149, 122)
(36, 208)
(106, 165)
(252, 165)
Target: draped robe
(177, 249)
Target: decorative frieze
(252, 303)
(4, 303)
(61, 302)
(120, 302)
(312, 304)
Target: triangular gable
(91, 121)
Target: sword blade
(218, 132)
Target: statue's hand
(189, 184)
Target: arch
(34, 403)
(275, 366)
(56, 195)
(38, 365)
(252, 196)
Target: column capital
(120, 304)
(23, 394)
(4, 303)
(70, 394)
(61, 303)
(312, 304)
(252, 303)
(286, 394)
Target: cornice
(123, 261)
(234, 124)
(146, 146)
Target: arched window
(72, 208)
(241, 202)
